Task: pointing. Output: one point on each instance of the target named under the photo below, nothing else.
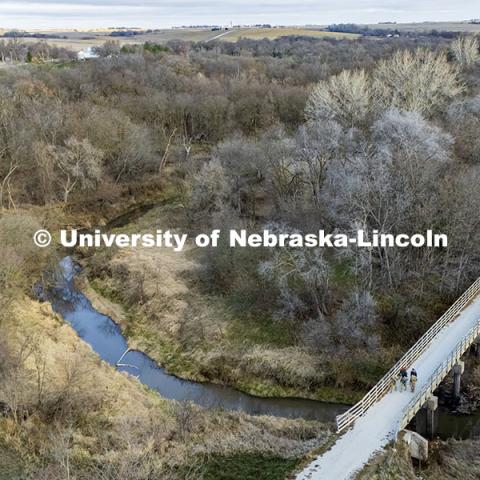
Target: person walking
(403, 379)
(393, 384)
(413, 379)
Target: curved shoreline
(108, 308)
(105, 337)
(115, 310)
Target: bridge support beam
(458, 369)
(417, 445)
(427, 418)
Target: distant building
(86, 53)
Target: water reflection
(461, 427)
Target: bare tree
(40, 365)
(110, 48)
(5, 185)
(164, 158)
(9, 163)
(211, 188)
(319, 144)
(15, 380)
(79, 165)
(19, 259)
(245, 167)
(301, 276)
(356, 320)
(46, 160)
(345, 97)
(186, 416)
(60, 441)
(464, 122)
(423, 81)
(285, 173)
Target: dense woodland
(292, 135)
(299, 133)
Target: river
(107, 340)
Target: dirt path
(220, 35)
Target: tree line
(292, 134)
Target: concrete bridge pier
(416, 444)
(426, 419)
(458, 369)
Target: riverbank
(168, 352)
(153, 295)
(105, 337)
(71, 415)
(448, 460)
(72, 395)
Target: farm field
(273, 33)
(77, 40)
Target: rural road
(219, 36)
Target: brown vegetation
(223, 129)
(83, 418)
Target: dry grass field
(77, 40)
(273, 33)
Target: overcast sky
(165, 13)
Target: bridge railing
(384, 385)
(437, 377)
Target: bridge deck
(377, 427)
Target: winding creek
(105, 337)
(107, 340)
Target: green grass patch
(337, 395)
(248, 467)
(250, 330)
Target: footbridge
(382, 413)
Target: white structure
(378, 418)
(88, 52)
